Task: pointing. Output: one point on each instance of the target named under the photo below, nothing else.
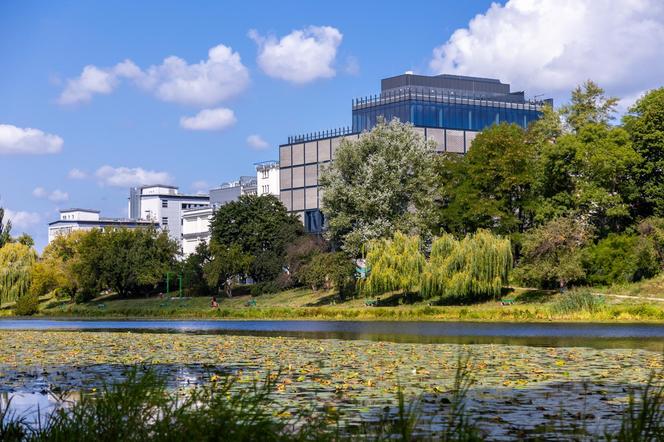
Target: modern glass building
(448, 109)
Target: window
(265, 173)
(266, 188)
(164, 221)
(164, 203)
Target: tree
(5, 229)
(588, 105)
(395, 264)
(552, 253)
(492, 186)
(621, 258)
(645, 125)
(129, 262)
(16, 261)
(258, 226)
(330, 270)
(475, 267)
(225, 265)
(376, 185)
(193, 267)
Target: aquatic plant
(578, 301)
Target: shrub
(578, 301)
(27, 305)
(330, 270)
(620, 258)
(263, 288)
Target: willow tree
(395, 264)
(477, 266)
(16, 261)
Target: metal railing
(312, 136)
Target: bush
(330, 270)
(578, 301)
(263, 288)
(27, 305)
(620, 258)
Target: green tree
(258, 226)
(333, 270)
(621, 258)
(552, 253)
(588, 105)
(5, 229)
(378, 184)
(645, 125)
(492, 186)
(16, 262)
(129, 262)
(475, 268)
(395, 264)
(193, 267)
(226, 264)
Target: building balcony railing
(313, 136)
(433, 96)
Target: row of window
(300, 199)
(443, 115)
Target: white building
(195, 228)
(267, 178)
(164, 205)
(85, 219)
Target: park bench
(372, 302)
(506, 301)
(250, 303)
(101, 306)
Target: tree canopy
(378, 184)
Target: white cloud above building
(300, 57)
(550, 46)
(257, 142)
(210, 119)
(77, 174)
(130, 176)
(17, 141)
(56, 196)
(22, 220)
(217, 78)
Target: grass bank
(528, 305)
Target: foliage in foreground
(16, 261)
(142, 408)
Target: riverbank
(525, 306)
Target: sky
(98, 96)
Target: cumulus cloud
(77, 174)
(57, 196)
(302, 56)
(17, 140)
(219, 77)
(21, 219)
(257, 142)
(200, 186)
(94, 80)
(553, 45)
(209, 119)
(128, 176)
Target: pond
(523, 373)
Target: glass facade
(448, 113)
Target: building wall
(66, 227)
(300, 165)
(267, 181)
(166, 210)
(195, 229)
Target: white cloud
(94, 80)
(219, 77)
(21, 219)
(57, 196)
(77, 174)
(300, 57)
(257, 142)
(551, 46)
(39, 192)
(200, 186)
(17, 140)
(209, 119)
(128, 177)
(352, 65)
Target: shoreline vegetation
(615, 304)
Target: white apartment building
(267, 178)
(86, 219)
(164, 205)
(195, 228)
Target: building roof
(106, 222)
(76, 209)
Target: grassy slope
(302, 303)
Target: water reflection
(647, 336)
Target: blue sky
(134, 118)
